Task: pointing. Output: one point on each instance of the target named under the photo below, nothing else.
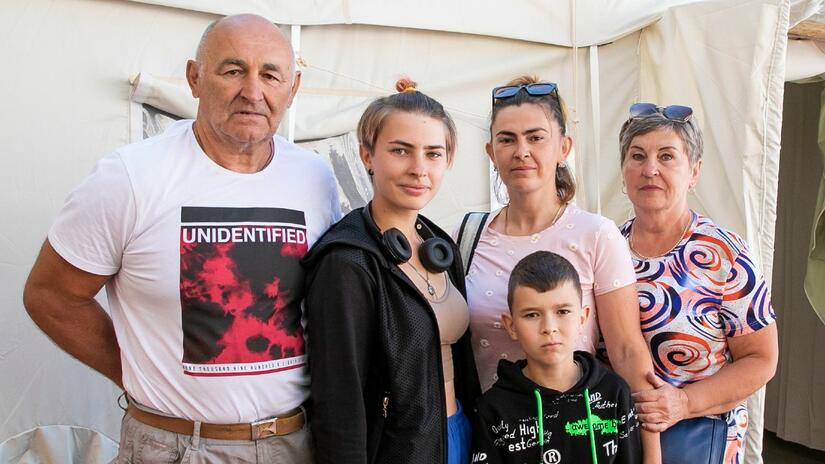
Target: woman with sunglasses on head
(390, 356)
(528, 148)
(705, 307)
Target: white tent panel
(805, 59)
(596, 21)
(804, 9)
(565, 23)
(58, 444)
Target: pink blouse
(590, 242)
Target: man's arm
(60, 300)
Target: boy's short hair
(542, 271)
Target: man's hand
(662, 406)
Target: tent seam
(781, 19)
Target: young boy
(586, 412)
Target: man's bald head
(241, 21)
(245, 78)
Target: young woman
(390, 358)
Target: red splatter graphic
(240, 301)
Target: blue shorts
(458, 437)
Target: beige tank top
(453, 318)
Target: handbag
(695, 441)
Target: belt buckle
(264, 428)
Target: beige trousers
(142, 443)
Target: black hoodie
(505, 428)
(377, 390)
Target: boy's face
(548, 324)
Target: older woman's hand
(661, 407)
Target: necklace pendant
(430, 289)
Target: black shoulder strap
(468, 235)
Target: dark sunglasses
(673, 112)
(537, 90)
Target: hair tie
(405, 85)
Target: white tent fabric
(725, 58)
(805, 9)
(805, 59)
(565, 23)
(58, 444)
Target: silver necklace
(646, 258)
(430, 288)
(426, 277)
(555, 218)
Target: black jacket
(505, 428)
(377, 392)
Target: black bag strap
(468, 235)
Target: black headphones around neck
(435, 253)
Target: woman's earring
(563, 165)
(624, 188)
(370, 172)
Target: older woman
(529, 147)
(705, 308)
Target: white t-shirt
(207, 286)
(591, 243)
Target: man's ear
(507, 320)
(296, 83)
(193, 70)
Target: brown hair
(556, 110)
(409, 100)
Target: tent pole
(295, 38)
(595, 100)
(581, 193)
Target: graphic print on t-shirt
(240, 290)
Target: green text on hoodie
(505, 429)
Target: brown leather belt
(276, 426)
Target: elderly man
(197, 235)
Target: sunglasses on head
(673, 112)
(537, 90)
